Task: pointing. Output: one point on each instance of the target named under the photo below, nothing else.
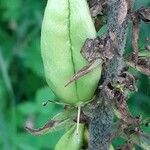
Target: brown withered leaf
(96, 6)
(139, 67)
(60, 121)
(144, 14)
(85, 70)
(45, 129)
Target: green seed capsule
(66, 26)
(71, 140)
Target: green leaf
(44, 94)
(33, 58)
(11, 9)
(27, 108)
(3, 96)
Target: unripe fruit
(71, 140)
(66, 26)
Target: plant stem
(101, 125)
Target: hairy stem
(101, 125)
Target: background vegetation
(23, 88)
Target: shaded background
(23, 88)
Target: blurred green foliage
(22, 83)
(23, 88)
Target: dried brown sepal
(117, 91)
(94, 51)
(96, 6)
(122, 108)
(85, 70)
(144, 14)
(124, 82)
(141, 14)
(141, 67)
(45, 129)
(135, 36)
(99, 47)
(96, 9)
